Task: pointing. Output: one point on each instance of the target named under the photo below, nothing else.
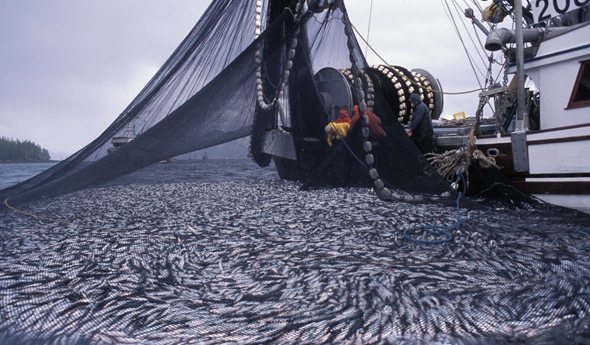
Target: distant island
(22, 151)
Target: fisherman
(338, 128)
(420, 129)
(374, 122)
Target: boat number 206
(545, 9)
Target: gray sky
(68, 68)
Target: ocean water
(213, 170)
(13, 173)
(218, 252)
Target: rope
(454, 162)
(441, 234)
(343, 140)
(411, 81)
(369, 26)
(12, 208)
(449, 163)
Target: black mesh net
(254, 262)
(237, 75)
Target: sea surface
(224, 252)
(212, 170)
(13, 173)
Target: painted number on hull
(547, 9)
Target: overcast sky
(68, 68)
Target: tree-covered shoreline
(12, 150)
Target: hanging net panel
(255, 69)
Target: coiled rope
(458, 161)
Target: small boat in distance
(118, 142)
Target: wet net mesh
(245, 68)
(175, 265)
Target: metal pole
(520, 157)
(521, 118)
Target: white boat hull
(558, 163)
(576, 202)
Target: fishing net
(245, 69)
(261, 262)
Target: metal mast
(521, 116)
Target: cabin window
(581, 94)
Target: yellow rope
(453, 162)
(12, 208)
(411, 81)
(450, 163)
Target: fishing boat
(288, 69)
(539, 132)
(118, 142)
(538, 136)
(122, 139)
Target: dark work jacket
(421, 123)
